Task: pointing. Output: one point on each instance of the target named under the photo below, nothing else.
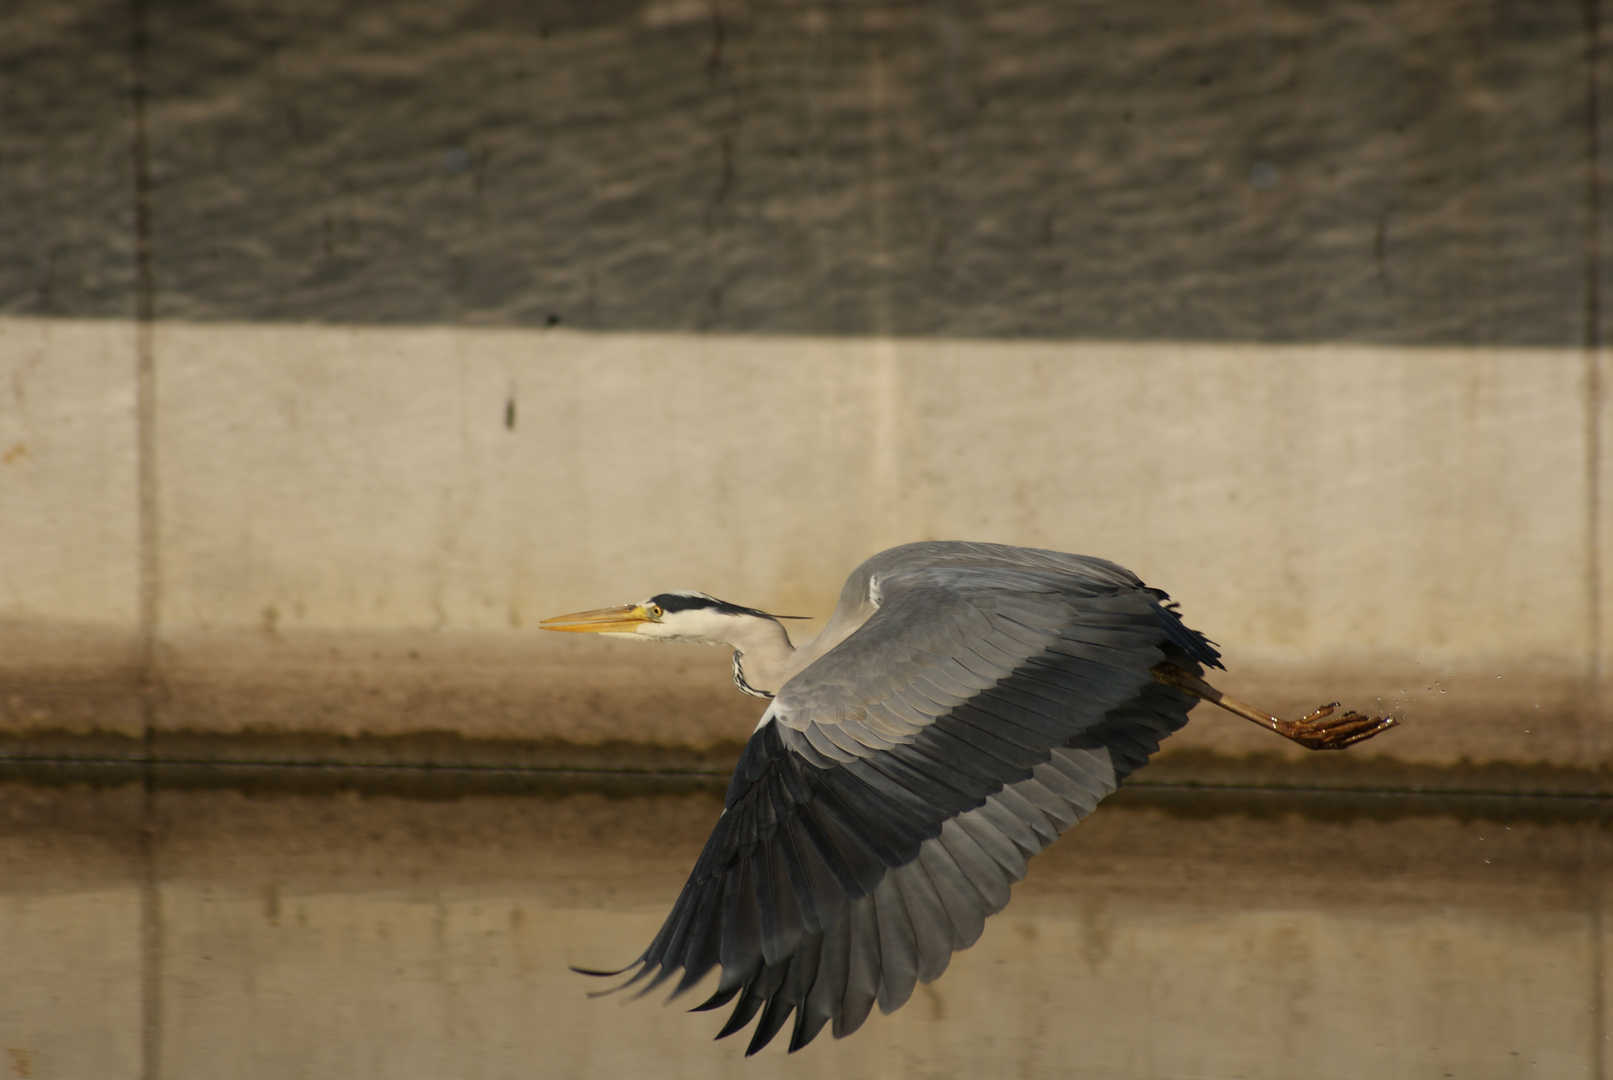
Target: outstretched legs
(1321, 730)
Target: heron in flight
(965, 705)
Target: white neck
(762, 652)
(765, 658)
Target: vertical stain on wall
(146, 481)
(1594, 390)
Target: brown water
(223, 934)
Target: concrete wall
(360, 339)
(370, 522)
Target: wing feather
(943, 751)
(854, 863)
(949, 674)
(972, 661)
(866, 737)
(1060, 783)
(1039, 795)
(783, 921)
(704, 949)
(828, 991)
(927, 915)
(800, 970)
(898, 951)
(983, 873)
(1002, 835)
(862, 968)
(1091, 768)
(857, 833)
(815, 884)
(1014, 800)
(926, 693)
(965, 909)
(998, 651)
(911, 713)
(742, 936)
(844, 740)
(829, 748)
(889, 724)
(995, 716)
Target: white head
(762, 649)
(672, 616)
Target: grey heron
(965, 704)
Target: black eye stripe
(670, 602)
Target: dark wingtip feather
(613, 989)
(807, 1027)
(691, 976)
(718, 1000)
(643, 970)
(749, 1003)
(665, 974)
(1184, 637)
(773, 1017)
(595, 973)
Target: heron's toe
(1321, 730)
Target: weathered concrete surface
(69, 525)
(358, 529)
(1176, 169)
(67, 211)
(69, 498)
(1294, 309)
(384, 937)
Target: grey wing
(900, 782)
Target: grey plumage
(974, 702)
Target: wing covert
(944, 635)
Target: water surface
(213, 933)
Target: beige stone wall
(357, 529)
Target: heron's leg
(1321, 730)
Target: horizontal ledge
(437, 765)
(641, 331)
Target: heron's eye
(655, 611)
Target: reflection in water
(340, 935)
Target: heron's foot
(1321, 730)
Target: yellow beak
(615, 620)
